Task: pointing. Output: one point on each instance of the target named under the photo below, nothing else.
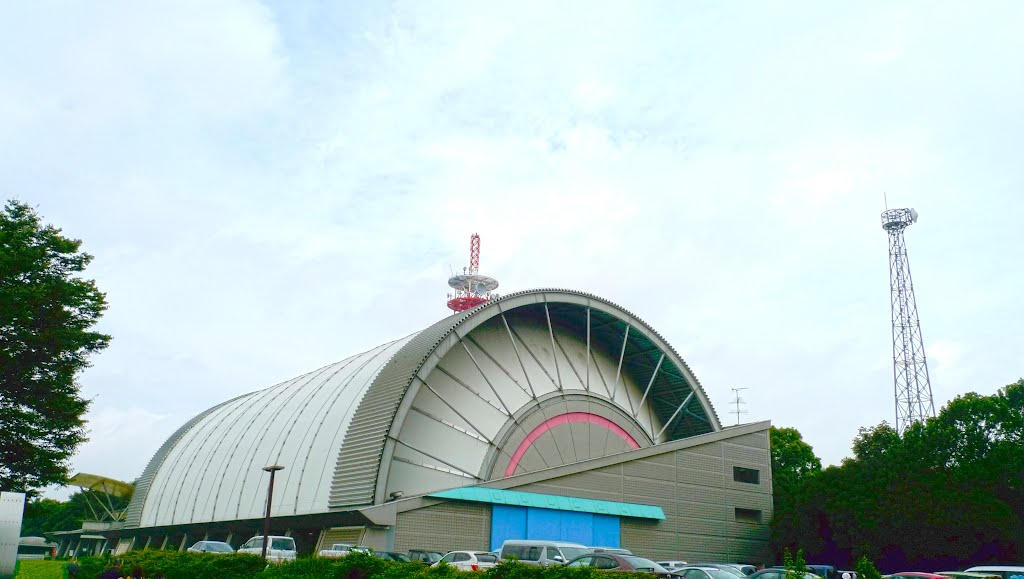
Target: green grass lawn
(40, 570)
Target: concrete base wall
(445, 527)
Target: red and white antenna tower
(471, 288)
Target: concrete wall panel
(650, 469)
(753, 440)
(444, 527)
(711, 511)
(647, 491)
(698, 461)
(689, 476)
(741, 455)
(696, 490)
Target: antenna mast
(471, 288)
(737, 402)
(910, 368)
(474, 253)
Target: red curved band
(565, 419)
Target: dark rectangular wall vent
(748, 515)
(746, 475)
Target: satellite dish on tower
(471, 288)
(913, 215)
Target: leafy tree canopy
(46, 316)
(948, 492)
(876, 443)
(792, 458)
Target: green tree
(947, 492)
(792, 459)
(40, 515)
(794, 465)
(46, 315)
(876, 443)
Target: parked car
(916, 575)
(1004, 571)
(342, 549)
(968, 575)
(672, 565)
(823, 571)
(711, 572)
(217, 547)
(826, 571)
(391, 556)
(279, 548)
(615, 550)
(468, 560)
(541, 552)
(425, 556)
(728, 567)
(777, 573)
(616, 562)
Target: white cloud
(128, 62)
(269, 189)
(945, 354)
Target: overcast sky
(269, 188)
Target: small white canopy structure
(99, 489)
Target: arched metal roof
(210, 470)
(474, 396)
(362, 474)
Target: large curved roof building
(543, 406)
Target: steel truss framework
(910, 367)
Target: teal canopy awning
(555, 502)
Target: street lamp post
(270, 497)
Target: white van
(1004, 571)
(541, 552)
(280, 549)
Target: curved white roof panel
(213, 472)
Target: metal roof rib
(133, 515)
(363, 445)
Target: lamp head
(273, 467)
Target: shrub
(796, 567)
(866, 569)
(185, 565)
(175, 565)
(301, 568)
(91, 567)
(516, 570)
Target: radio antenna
(737, 402)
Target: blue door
(509, 522)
